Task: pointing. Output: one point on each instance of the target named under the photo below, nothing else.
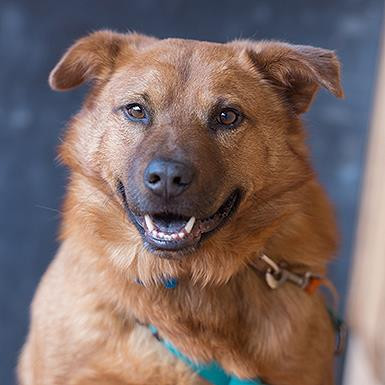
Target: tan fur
(84, 323)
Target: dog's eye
(135, 112)
(228, 117)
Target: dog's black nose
(168, 178)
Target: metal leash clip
(276, 276)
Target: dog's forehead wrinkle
(197, 57)
(131, 76)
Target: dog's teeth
(154, 233)
(181, 235)
(161, 235)
(167, 237)
(174, 236)
(189, 225)
(149, 224)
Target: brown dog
(188, 161)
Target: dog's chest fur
(224, 323)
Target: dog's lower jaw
(187, 234)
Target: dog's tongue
(169, 223)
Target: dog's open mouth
(170, 232)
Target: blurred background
(35, 33)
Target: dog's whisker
(49, 209)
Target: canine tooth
(189, 225)
(154, 233)
(181, 235)
(149, 223)
(174, 236)
(161, 235)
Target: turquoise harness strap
(212, 372)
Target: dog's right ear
(92, 58)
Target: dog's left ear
(296, 70)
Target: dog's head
(193, 138)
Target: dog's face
(192, 136)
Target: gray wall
(33, 35)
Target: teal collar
(212, 372)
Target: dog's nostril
(177, 180)
(153, 178)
